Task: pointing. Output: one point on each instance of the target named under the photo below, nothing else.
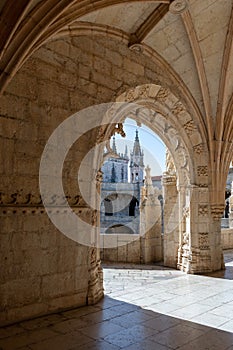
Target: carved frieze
(24, 199)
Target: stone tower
(115, 169)
(136, 162)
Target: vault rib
(148, 25)
(50, 17)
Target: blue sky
(152, 145)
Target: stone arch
(158, 108)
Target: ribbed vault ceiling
(195, 43)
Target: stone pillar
(184, 230)
(150, 222)
(95, 283)
(171, 221)
(205, 251)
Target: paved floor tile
(145, 308)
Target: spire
(126, 151)
(114, 145)
(136, 147)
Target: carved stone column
(95, 284)
(171, 220)
(150, 222)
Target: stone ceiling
(196, 42)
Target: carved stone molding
(178, 6)
(217, 211)
(21, 199)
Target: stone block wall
(41, 269)
(227, 238)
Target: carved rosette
(178, 6)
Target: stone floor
(145, 308)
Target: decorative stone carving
(203, 241)
(198, 148)
(144, 91)
(130, 95)
(186, 212)
(95, 283)
(162, 94)
(138, 48)
(202, 170)
(217, 211)
(203, 210)
(185, 239)
(178, 108)
(24, 199)
(169, 179)
(170, 166)
(190, 127)
(99, 176)
(178, 6)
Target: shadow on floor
(112, 325)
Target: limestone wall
(227, 238)
(42, 270)
(130, 248)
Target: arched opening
(185, 189)
(132, 205)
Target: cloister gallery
(71, 72)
